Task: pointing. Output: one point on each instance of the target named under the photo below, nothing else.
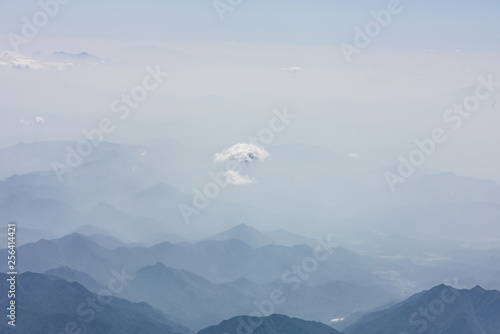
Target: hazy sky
(225, 75)
(428, 24)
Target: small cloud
(242, 152)
(235, 178)
(35, 120)
(293, 69)
(23, 62)
(354, 155)
(25, 121)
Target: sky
(225, 76)
(423, 23)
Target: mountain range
(274, 324)
(46, 304)
(143, 186)
(440, 310)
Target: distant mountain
(245, 233)
(26, 158)
(74, 251)
(40, 213)
(72, 275)
(186, 296)
(335, 300)
(82, 57)
(273, 324)
(256, 238)
(198, 302)
(107, 241)
(25, 236)
(144, 185)
(217, 261)
(440, 310)
(207, 282)
(128, 227)
(161, 201)
(47, 305)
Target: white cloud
(25, 121)
(242, 152)
(35, 120)
(235, 178)
(354, 155)
(23, 62)
(293, 69)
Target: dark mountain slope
(274, 324)
(49, 305)
(441, 310)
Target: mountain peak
(275, 323)
(245, 233)
(442, 309)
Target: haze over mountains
(441, 309)
(51, 304)
(335, 258)
(278, 324)
(54, 305)
(204, 283)
(250, 167)
(137, 198)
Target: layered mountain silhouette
(72, 275)
(440, 310)
(273, 324)
(217, 261)
(82, 56)
(144, 186)
(210, 281)
(256, 238)
(50, 305)
(198, 302)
